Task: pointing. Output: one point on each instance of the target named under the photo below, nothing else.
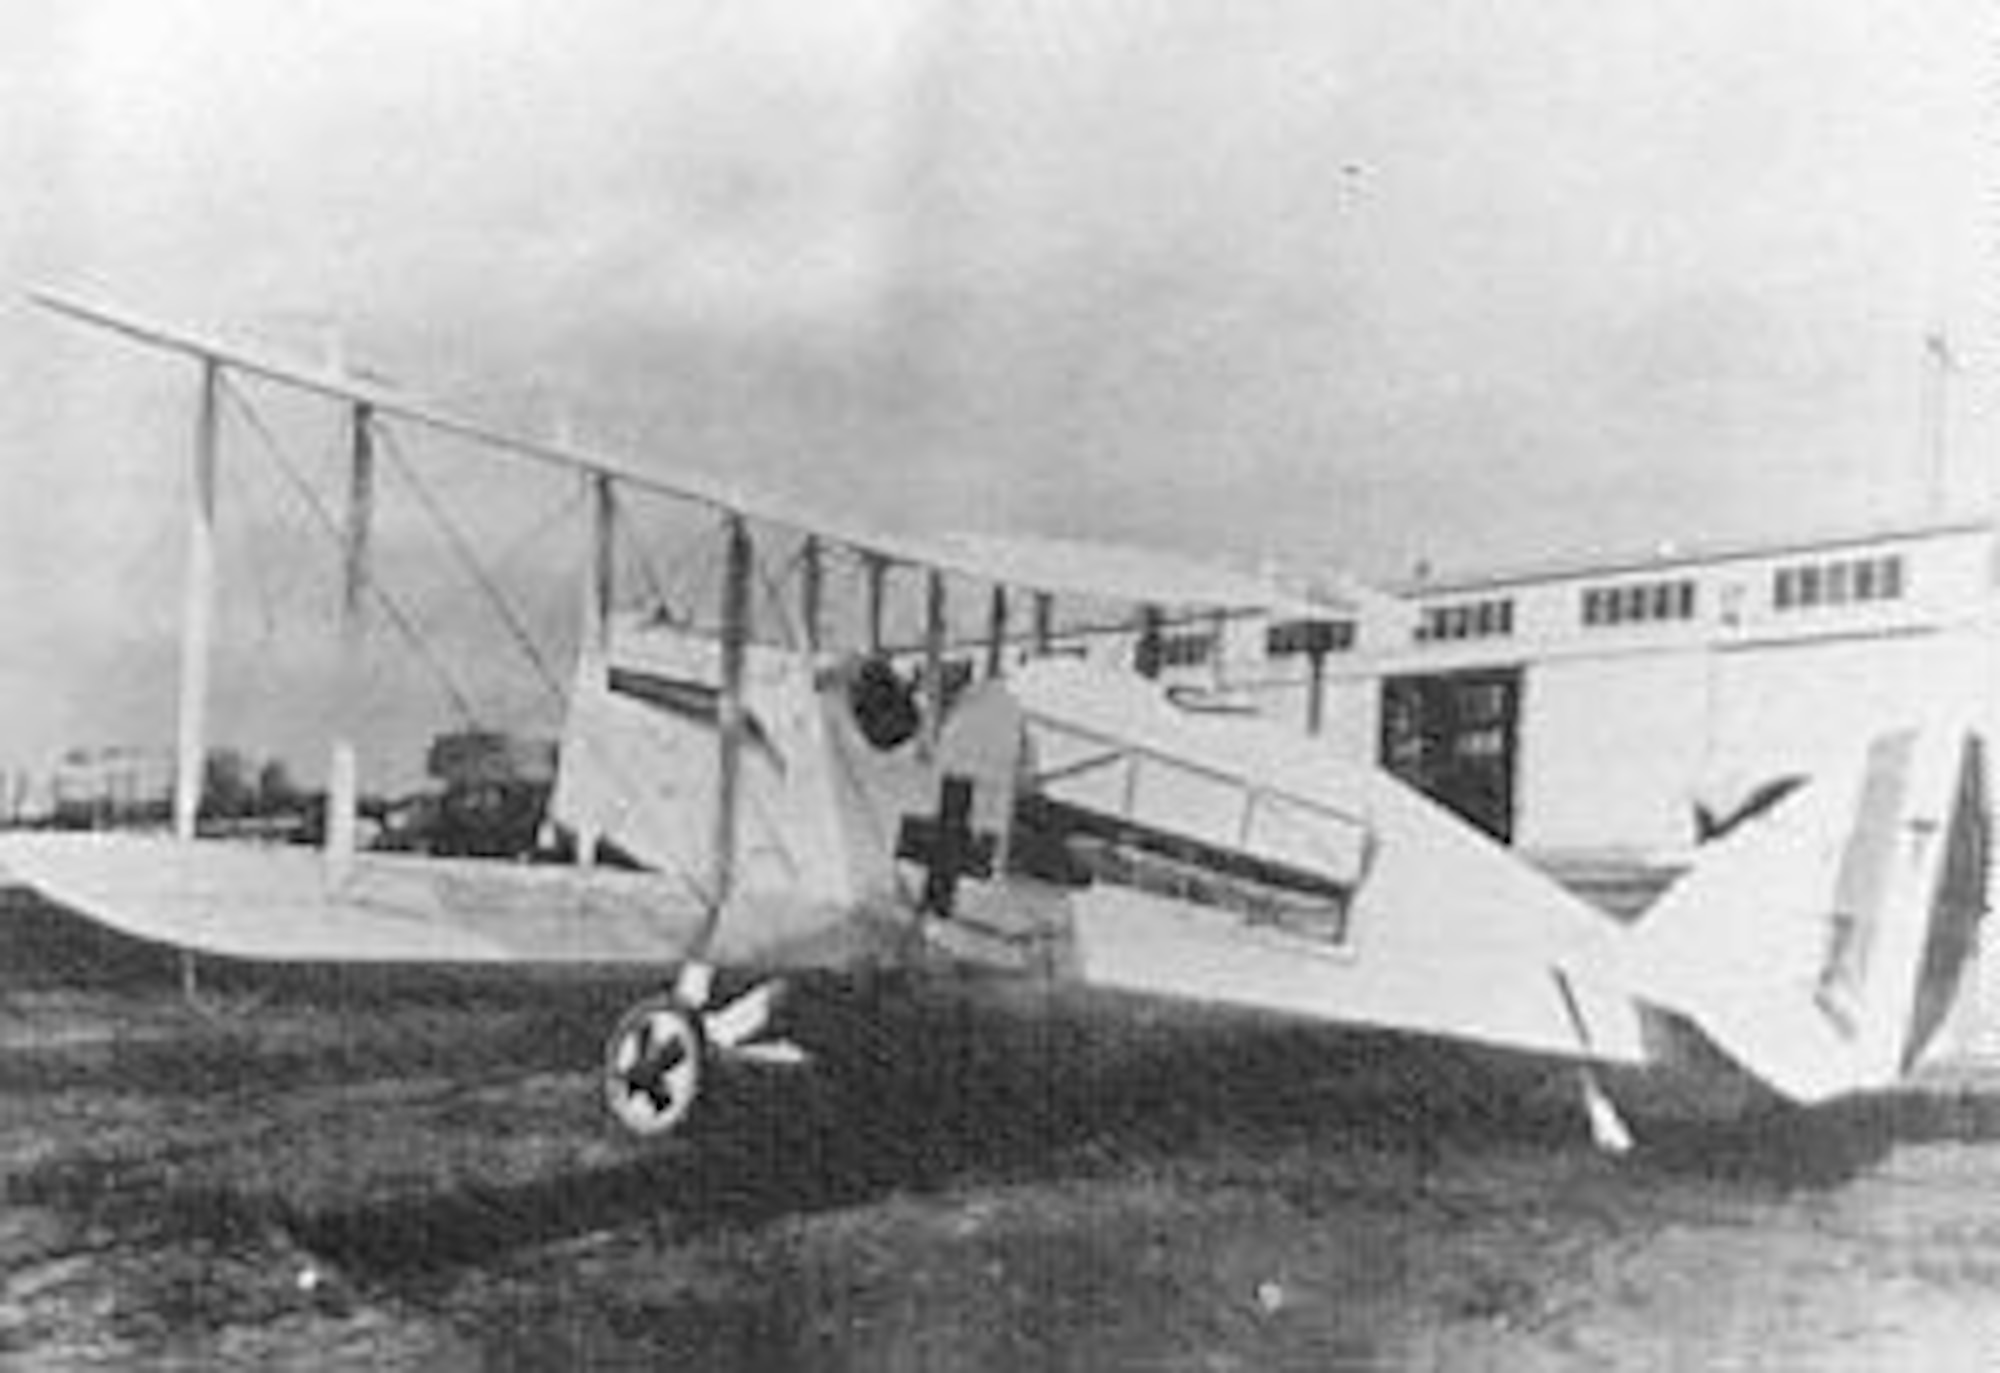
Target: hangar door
(1455, 736)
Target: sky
(1349, 283)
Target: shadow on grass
(1788, 1147)
(912, 1093)
(915, 1097)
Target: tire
(656, 1063)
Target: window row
(1468, 620)
(1841, 581)
(1639, 603)
(1186, 650)
(1305, 638)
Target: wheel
(653, 1066)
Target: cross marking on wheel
(656, 1059)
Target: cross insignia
(946, 845)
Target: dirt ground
(356, 1184)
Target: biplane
(990, 805)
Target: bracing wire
(791, 628)
(694, 886)
(402, 622)
(461, 547)
(273, 590)
(236, 481)
(654, 585)
(529, 538)
(141, 562)
(688, 557)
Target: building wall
(1730, 673)
(112, 785)
(1609, 750)
(1628, 722)
(1650, 685)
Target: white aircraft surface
(997, 812)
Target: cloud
(1490, 266)
(685, 161)
(1345, 283)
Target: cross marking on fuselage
(946, 845)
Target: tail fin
(1822, 945)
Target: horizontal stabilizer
(1820, 944)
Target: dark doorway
(1454, 737)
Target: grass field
(365, 1183)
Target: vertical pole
(1935, 405)
(197, 607)
(1146, 656)
(730, 719)
(603, 563)
(934, 613)
(1045, 619)
(343, 773)
(996, 632)
(877, 570)
(1316, 689)
(812, 590)
(600, 594)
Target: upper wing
(1121, 574)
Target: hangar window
(1493, 619)
(1186, 650)
(1838, 582)
(1638, 603)
(1303, 638)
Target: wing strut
(996, 631)
(812, 591)
(1043, 637)
(343, 782)
(600, 592)
(876, 568)
(934, 635)
(198, 606)
(603, 561)
(730, 721)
